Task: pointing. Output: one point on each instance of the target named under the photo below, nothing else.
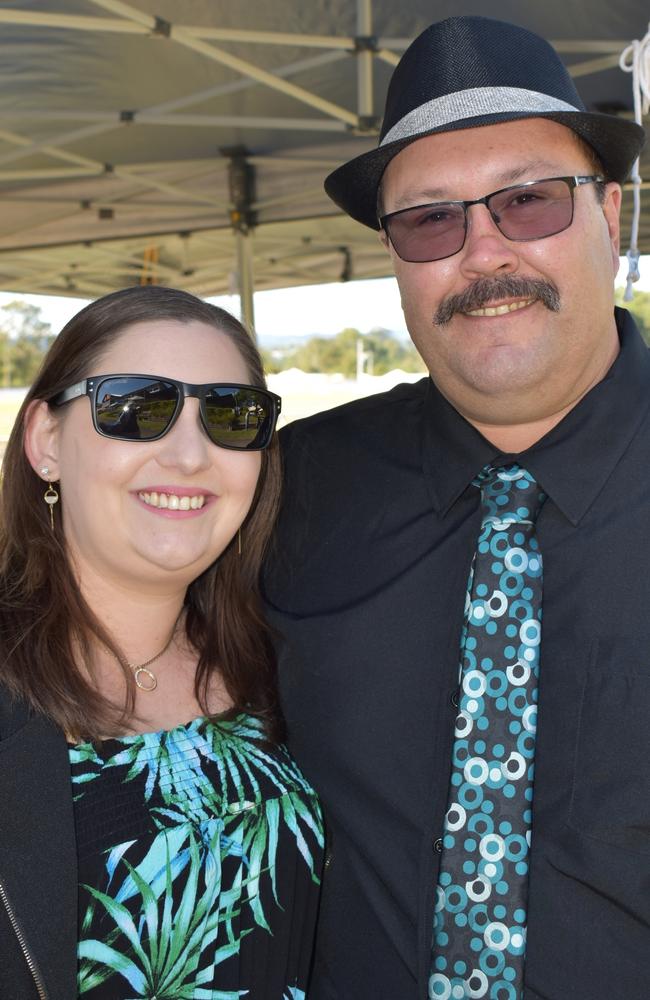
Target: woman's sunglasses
(145, 407)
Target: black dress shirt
(366, 584)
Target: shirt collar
(454, 451)
(573, 461)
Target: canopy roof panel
(120, 123)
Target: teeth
(500, 310)
(172, 501)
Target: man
(414, 532)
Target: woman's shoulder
(14, 713)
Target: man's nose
(486, 250)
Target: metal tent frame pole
(246, 281)
(241, 185)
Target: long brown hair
(46, 626)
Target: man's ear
(41, 440)
(612, 212)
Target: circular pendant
(150, 683)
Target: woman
(155, 838)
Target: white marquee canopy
(186, 141)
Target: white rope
(635, 59)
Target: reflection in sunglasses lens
(135, 409)
(236, 418)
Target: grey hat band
(464, 104)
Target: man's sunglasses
(529, 211)
(145, 407)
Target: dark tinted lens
(136, 409)
(238, 417)
(429, 232)
(533, 211)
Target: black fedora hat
(467, 72)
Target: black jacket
(38, 864)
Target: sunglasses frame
(572, 183)
(90, 387)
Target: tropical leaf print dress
(200, 852)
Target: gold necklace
(140, 669)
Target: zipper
(38, 982)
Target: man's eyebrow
(531, 170)
(538, 170)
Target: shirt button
(437, 845)
(455, 698)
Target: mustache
(487, 290)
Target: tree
(339, 354)
(389, 352)
(329, 354)
(24, 339)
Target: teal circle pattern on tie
(479, 937)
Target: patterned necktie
(479, 937)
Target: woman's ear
(41, 440)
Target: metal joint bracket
(241, 188)
(162, 28)
(366, 43)
(127, 116)
(366, 125)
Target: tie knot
(509, 494)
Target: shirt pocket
(610, 797)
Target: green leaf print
(177, 901)
(162, 956)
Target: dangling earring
(50, 496)
(238, 541)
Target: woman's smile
(175, 499)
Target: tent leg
(245, 280)
(364, 60)
(241, 185)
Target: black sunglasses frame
(91, 387)
(572, 182)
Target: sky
(286, 312)
(310, 309)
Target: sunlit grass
(8, 409)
